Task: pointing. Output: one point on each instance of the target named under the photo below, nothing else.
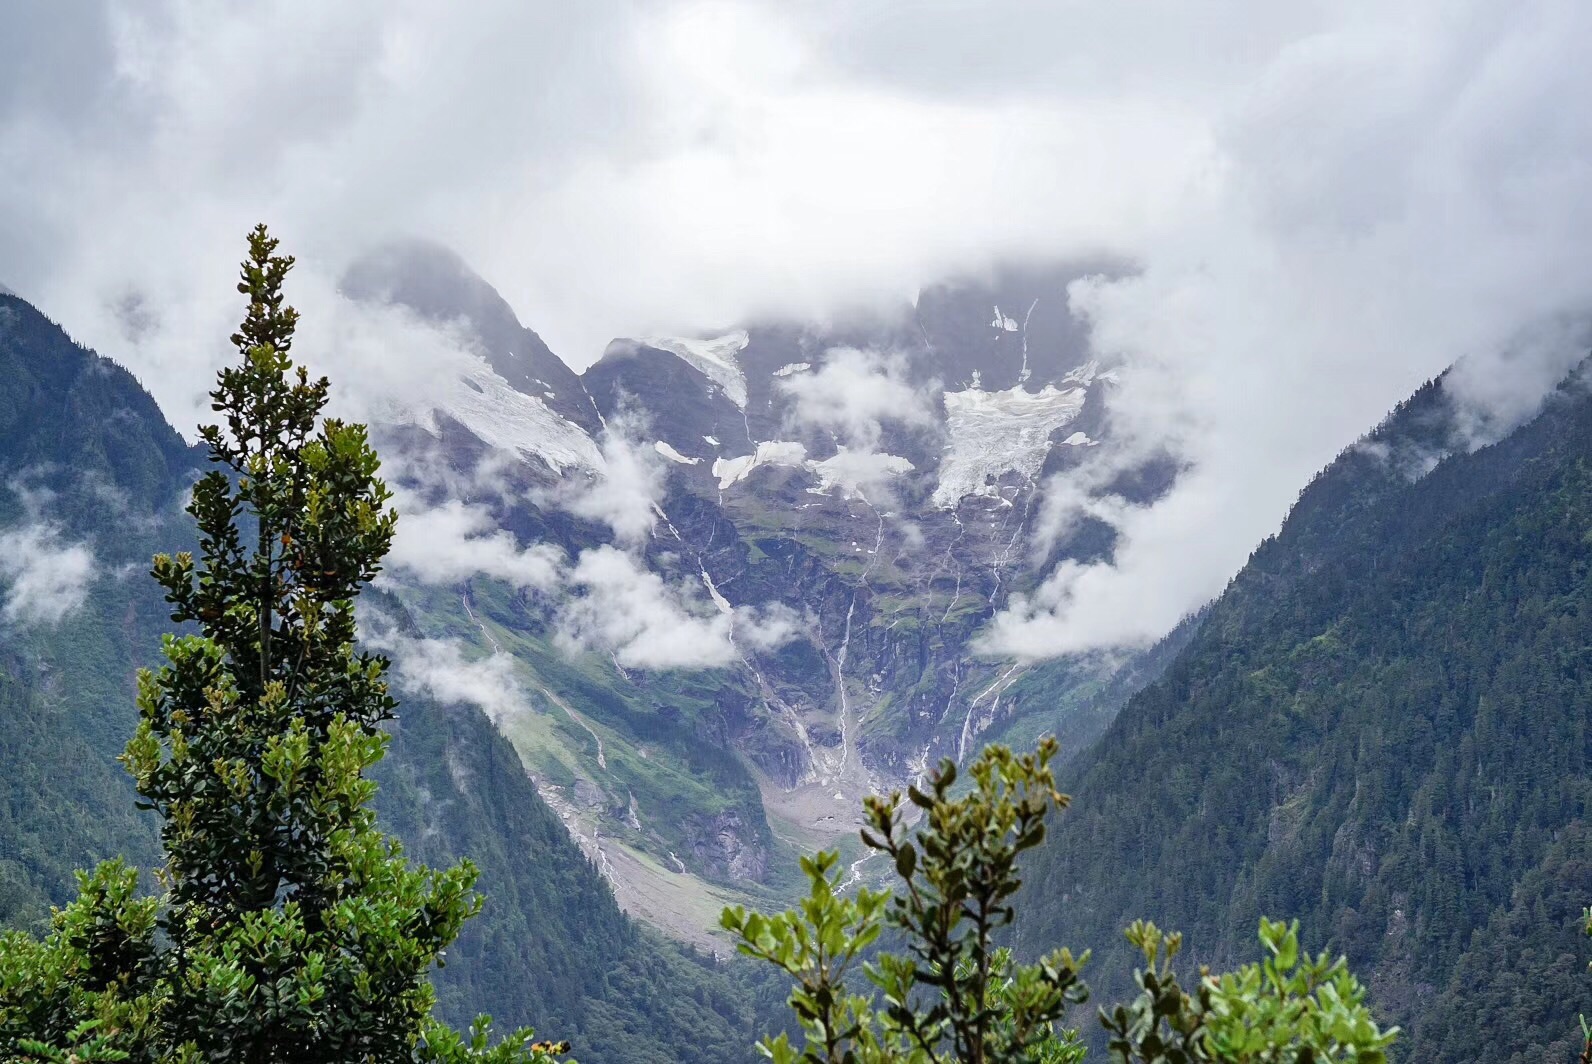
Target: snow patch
(712, 441)
(1084, 375)
(1003, 322)
(673, 455)
(770, 452)
(994, 433)
(509, 420)
(717, 596)
(854, 472)
(1079, 439)
(717, 359)
(849, 472)
(793, 368)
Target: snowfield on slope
(769, 452)
(490, 408)
(850, 472)
(995, 433)
(718, 359)
(673, 455)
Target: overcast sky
(1329, 202)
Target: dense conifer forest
(1382, 729)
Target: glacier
(769, 452)
(717, 359)
(995, 433)
(509, 420)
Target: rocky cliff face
(833, 511)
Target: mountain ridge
(794, 473)
(1380, 728)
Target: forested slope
(86, 462)
(1384, 729)
(551, 948)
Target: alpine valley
(765, 558)
(659, 626)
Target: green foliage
(1586, 1028)
(291, 929)
(89, 984)
(953, 995)
(820, 945)
(84, 1043)
(1063, 1046)
(1287, 1009)
(80, 426)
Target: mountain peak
(68, 413)
(435, 283)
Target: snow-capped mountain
(434, 283)
(774, 546)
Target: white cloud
(425, 467)
(48, 576)
(1494, 391)
(1392, 194)
(540, 140)
(625, 494)
(1329, 202)
(438, 668)
(623, 609)
(851, 396)
(1070, 498)
(765, 628)
(864, 473)
(450, 543)
(854, 392)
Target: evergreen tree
(290, 928)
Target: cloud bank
(625, 494)
(621, 608)
(855, 392)
(451, 542)
(1328, 203)
(438, 669)
(48, 577)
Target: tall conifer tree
(291, 928)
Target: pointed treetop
(268, 321)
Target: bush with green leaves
(954, 995)
(1286, 1009)
(289, 927)
(1586, 1028)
